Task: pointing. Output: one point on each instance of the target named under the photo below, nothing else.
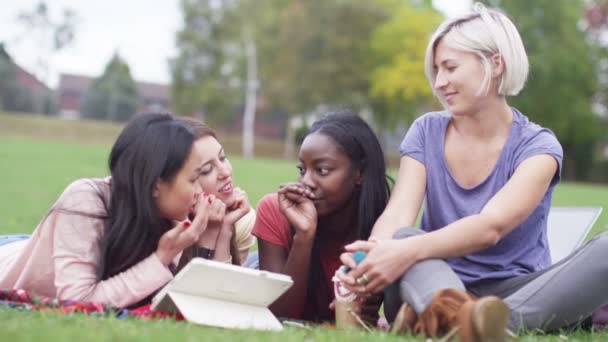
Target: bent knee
(600, 241)
(404, 233)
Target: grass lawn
(35, 168)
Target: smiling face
(177, 197)
(459, 76)
(328, 172)
(216, 170)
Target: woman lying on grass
(216, 179)
(303, 228)
(118, 240)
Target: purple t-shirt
(522, 251)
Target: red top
(273, 227)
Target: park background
(259, 72)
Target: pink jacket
(60, 260)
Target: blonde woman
(487, 174)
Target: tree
(295, 56)
(596, 17)
(255, 20)
(49, 34)
(216, 71)
(198, 85)
(13, 97)
(322, 55)
(113, 96)
(562, 81)
(399, 87)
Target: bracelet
(203, 252)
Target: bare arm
(388, 259)
(504, 212)
(295, 204)
(294, 263)
(224, 242)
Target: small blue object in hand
(358, 256)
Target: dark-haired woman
(118, 240)
(301, 230)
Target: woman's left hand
(239, 208)
(217, 210)
(217, 213)
(386, 261)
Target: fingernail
(187, 224)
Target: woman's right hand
(184, 234)
(295, 202)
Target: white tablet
(567, 228)
(218, 294)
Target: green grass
(37, 326)
(34, 173)
(35, 168)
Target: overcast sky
(143, 34)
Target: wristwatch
(205, 253)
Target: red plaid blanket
(22, 300)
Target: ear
(156, 190)
(359, 178)
(498, 65)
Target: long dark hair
(359, 143)
(150, 147)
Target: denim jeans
(6, 239)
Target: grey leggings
(557, 297)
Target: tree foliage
(202, 71)
(563, 80)
(49, 34)
(112, 96)
(369, 55)
(310, 53)
(13, 97)
(322, 58)
(398, 83)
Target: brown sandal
(454, 312)
(405, 319)
(484, 320)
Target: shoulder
(430, 125)
(268, 212)
(79, 214)
(269, 203)
(270, 224)
(533, 137)
(88, 196)
(432, 119)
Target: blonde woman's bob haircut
(485, 33)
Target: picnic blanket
(23, 300)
